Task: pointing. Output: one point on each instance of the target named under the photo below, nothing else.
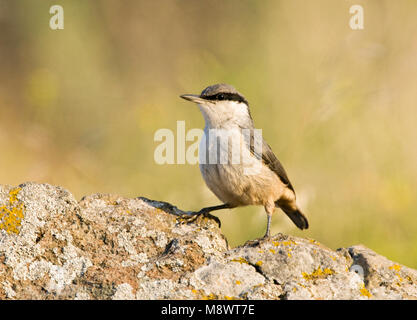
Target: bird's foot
(266, 237)
(257, 242)
(191, 216)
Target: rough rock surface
(110, 247)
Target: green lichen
(11, 214)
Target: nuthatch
(225, 110)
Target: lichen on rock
(11, 214)
(111, 247)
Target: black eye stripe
(226, 96)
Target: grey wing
(270, 160)
(273, 163)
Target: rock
(110, 247)
(386, 279)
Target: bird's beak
(193, 98)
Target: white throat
(226, 114)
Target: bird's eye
(220, 96)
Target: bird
(227, 115)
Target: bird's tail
(296, 216)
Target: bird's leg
(268, 227)
(257, 242)
(269, 208)
(192, 216)
(213, 208)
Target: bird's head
(222, 104)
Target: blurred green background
(79, 107)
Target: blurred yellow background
(79, 107)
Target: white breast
(224, 169)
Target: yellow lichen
(11, 214)
(211, 296)
(365, 292)
(284, 243)
(259, 263)
(272, 250)
(319, 273)
(238, 282)
(240, 260)
(395, 267)
(288, 243)
(399, 277)
(13, 195)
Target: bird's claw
(266, 237)
(190, 217)
(257, 242)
